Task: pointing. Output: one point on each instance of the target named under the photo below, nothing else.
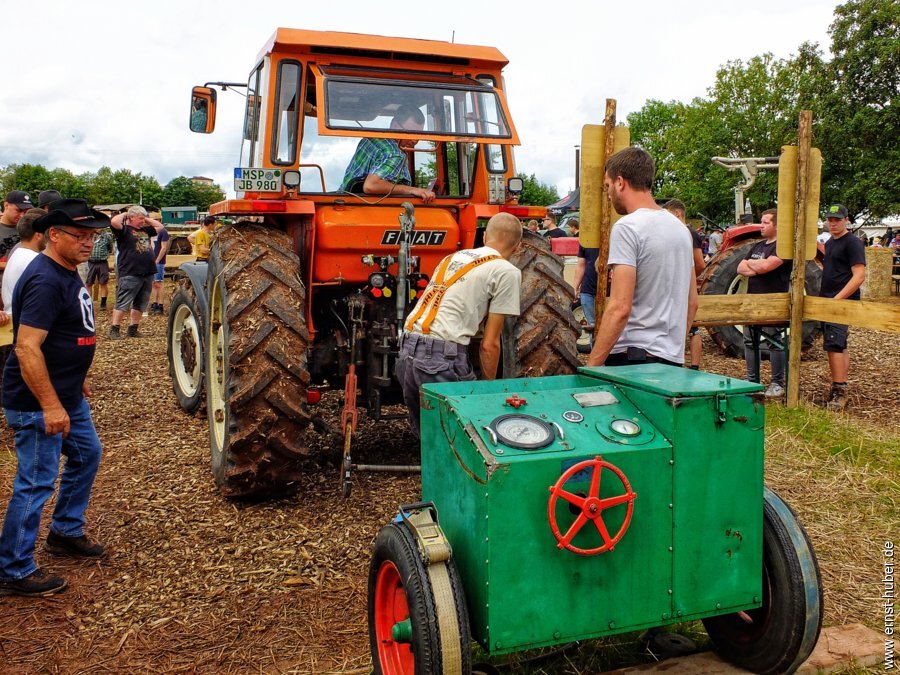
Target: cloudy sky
(97, 83)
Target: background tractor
(308, 290)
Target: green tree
(861, 146)
(182, 191)
(31, 178)
(537, 193)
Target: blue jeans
(587, 306)
(38, 456)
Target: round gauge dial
(522, 431)
(625, 427)
(573, 416)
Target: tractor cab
(313, 96)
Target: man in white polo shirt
(31, 243)
(467, 287)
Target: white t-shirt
(659, 247)
(492, 287)
(16, 264)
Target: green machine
(566, 508)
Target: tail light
(313, 396)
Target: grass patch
(836, 436)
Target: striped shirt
(381, 156)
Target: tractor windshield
(454, 106)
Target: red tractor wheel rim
(591, 507)
(390, 609)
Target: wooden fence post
(609, 123)
(798, 274)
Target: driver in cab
(380, 166)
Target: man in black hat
(44, 389)
(14, 207)
(842, 275)
(47, 196)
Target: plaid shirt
(102, 247)
(381, 156)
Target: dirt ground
(195, 583)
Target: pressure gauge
(573, 416)
(522, 431)
(625, 427)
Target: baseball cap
(47, 196)
(20, 199)
(836, 211)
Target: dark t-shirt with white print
(136, 257)
(52, 298)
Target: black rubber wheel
(721, 278)
(400, 588)
(184, 348)
(782, 633)
(256, 370)
(541, 340)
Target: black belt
(634, 356)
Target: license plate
(257, 180)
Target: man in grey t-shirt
(653, 297)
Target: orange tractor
(308, 290)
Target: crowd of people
(52, 305)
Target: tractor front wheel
(256, 362)
(781, 634)
(185, 348)
(405, 615)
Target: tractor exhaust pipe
(407, 225)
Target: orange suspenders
(432, 298)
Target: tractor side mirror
(203, 110)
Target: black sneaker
(35, 584)
(133, 331)
(79, 547)
(114, 333)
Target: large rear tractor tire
(256, 365)
(780, 635)
(184, 345)
(541, 340)
(721, 278)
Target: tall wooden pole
(798, 274)
(609, 124)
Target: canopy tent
(570, 202)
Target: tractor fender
(196, 274)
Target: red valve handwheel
(591, 505)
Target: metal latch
(721, 407)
